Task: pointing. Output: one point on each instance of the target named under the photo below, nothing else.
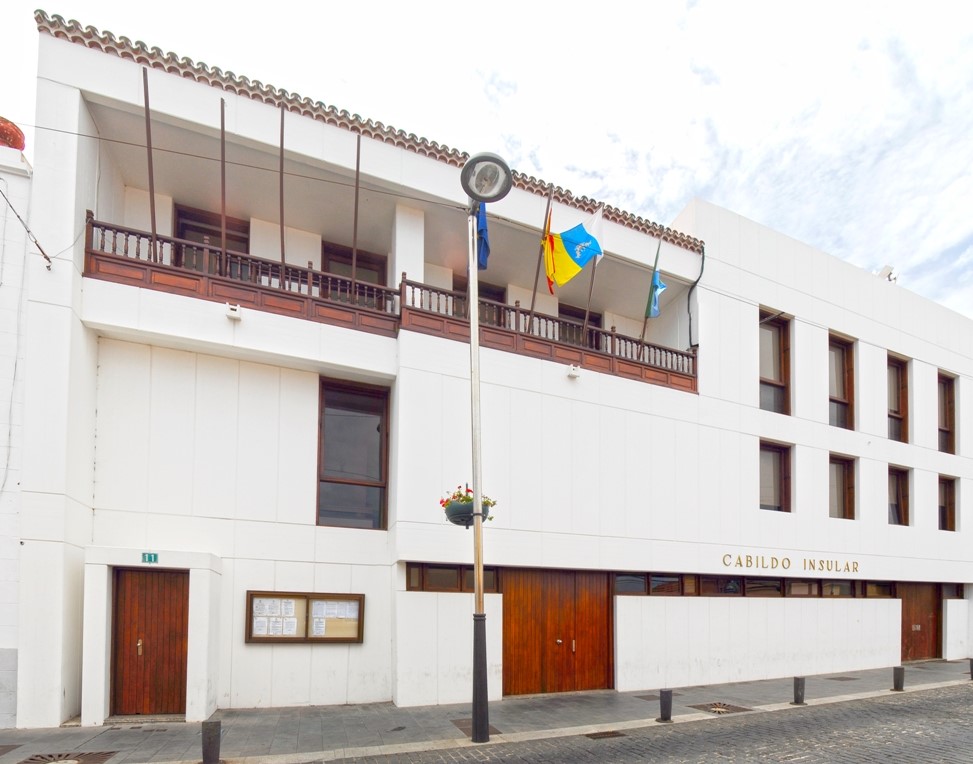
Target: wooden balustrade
(128, 256)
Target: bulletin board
(301, 617)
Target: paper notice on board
(287, 608)
(259, 626)
(317, 608)
(352, 609)
(276, 626)
(266, 606)
(317, 627)
(290, 627)
(331, 608)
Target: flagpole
(587, 308)
(540, 255)
(648, 305)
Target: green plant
(465, 496)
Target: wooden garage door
(921, 613)
(557, 631)
(150, 642)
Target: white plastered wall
(687, 641)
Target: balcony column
(408, 245)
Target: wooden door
(150, 637)
(921, 618)
(557, 631)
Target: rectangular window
(720, 586)
(764, 587)
(369, 268)
(353, 456)
(947, 414)
(947, 504)
(663, 583)
(774, 363)
(201, 235)
(879, 589)
(775, 481)
(837, 589)
(898, 383)
(841, 383)
(630, 583)
(803, 588)
(841, 488)
(898, 496)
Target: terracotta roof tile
(140, 53)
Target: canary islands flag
(565, 254)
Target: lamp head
(486, 178)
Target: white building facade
(228, 443)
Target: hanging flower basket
(458, 506)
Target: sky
(847, 125)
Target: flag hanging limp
(565, 254)
(656, 288)
(482, 239)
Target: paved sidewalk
(329, 733)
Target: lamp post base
(481, 710)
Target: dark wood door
(557, 631)
(150, 642)
(921, 618)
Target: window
(841, 492)
(947, 414)
(879, 589)
(447, 578)
(206, 228)
(898, 378)
(898, 496)
(775, 481)
(947, 504)
(803, 588)
(630, 583)
(353, 456)
(720, 586)
(493, 300)
(665, 583)
(369, 268)
(841, 383)
(573, 323)
(764, 587)
(837, 589)
(774, 363)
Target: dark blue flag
(482, 239)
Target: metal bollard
(665, 706)
(211, 742)
(798, 692)
(898, 678)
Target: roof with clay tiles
(142, 54)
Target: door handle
(572, 646)
(558, 641)
(139, 646)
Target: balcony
(182, 267)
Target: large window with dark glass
(898, 496)
(898, 383)
(203, 233)
(947, 414)
(353, 455)
(774, 363)
(947, 504)
(841, 488)
(841, 383)
(775, 477)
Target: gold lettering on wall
(761, 562)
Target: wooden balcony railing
(128, 256)
(115, 253)
(505, 327)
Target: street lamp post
(485, 178)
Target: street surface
(927, 726)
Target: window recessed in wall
(841, 383)
(898, 384)
(947, 504)
(841, 487)
(353, 455)
(774, 363)
(898, 496)
(947, 414)
(775, 470)
(200, 235)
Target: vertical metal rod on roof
(645, 321)
(223, 180)
(282, 110)
(354, 234)
(148, 148)
(540, 255)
